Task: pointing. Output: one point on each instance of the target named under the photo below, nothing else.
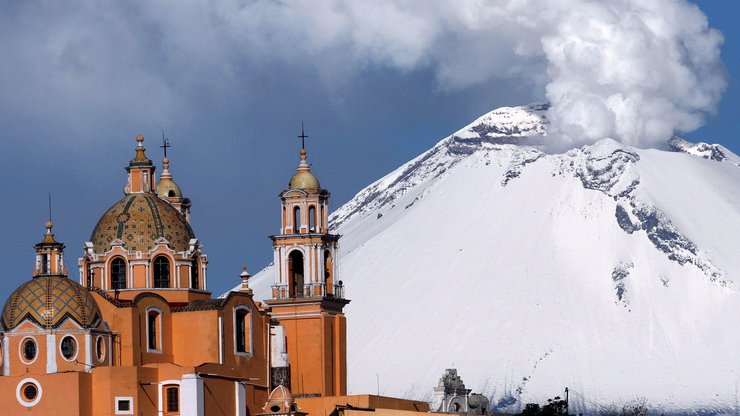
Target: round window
(100, 348)
(274, 408)
(28, 393)
(69, 347)
(28, 349)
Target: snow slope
(608, 269)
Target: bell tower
(307, 298)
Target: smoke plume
(634, 70)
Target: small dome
(280, 401)
(48, 301)
(167, 188)
(304, 179)
(139, 220)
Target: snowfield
(611, 270)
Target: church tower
(307, 298)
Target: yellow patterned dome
(49, 301)
(139, 220)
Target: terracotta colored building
(121, 340)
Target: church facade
(137, 332)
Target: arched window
(296, 220)
(312, 219)
(194, 273)
(161, 272)
(118, 274)
(328, 275)
(154, 330)
(242, 330)
(295, 274)
(172, 398)
(90, 276)
(44, 263)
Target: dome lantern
(140, 171)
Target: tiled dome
(48, 301)
(139, 220)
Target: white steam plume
(634, 70)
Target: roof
(139, 220)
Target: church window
(118, 274)
(100, 348)
(30, 391)
(90, 276)
(44, 264)
(68, 348)
(172, 399)
(194, 274)
(28, 350)
(312, 219)
(242, 330)
(124, 406)
(161, 272)
(328, 278)
(154, 330)
(274, 408)
(295, 274)
(296, 220)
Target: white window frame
(18, 392)
(20, 350)
(249, 345)
(77, 348)
(159, 331)
(128, 399)
(163, 399)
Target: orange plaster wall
(136, 382)
(218, 397)
(123, 322)
(139, 275)
(61, 395)
(195, 350)
(323, 406)
(19, 368)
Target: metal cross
(303, 137)
(165, 144)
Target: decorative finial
(245, 280)
(165, 144)
(140, 140)
(303, 139)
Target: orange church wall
(194, 350)
(139, 383)
(61, 394)
(387, 406)
(140, 279)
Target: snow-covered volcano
(608, 269)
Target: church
(137, 332)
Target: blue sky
(81, 81)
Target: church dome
(139, 220)
(304, 179)
(49, 301)
(167, 188)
